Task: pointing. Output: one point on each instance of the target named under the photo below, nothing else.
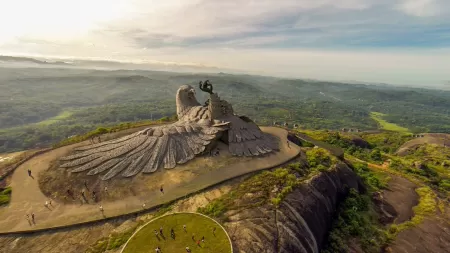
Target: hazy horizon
(403, 42)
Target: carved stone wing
(245, 138)
(146, 150)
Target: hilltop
(46, 105)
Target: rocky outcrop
(301, 222)
(359, 142)
(431, 235)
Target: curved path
(27, 197)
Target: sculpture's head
(185, 99)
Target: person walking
(158, 250)
(101, 208)
(161, 189)
(29, 172)
(184, 228)
(70, 194)
(161, 230)
(106, 189)
(188, 250)
(32, 217)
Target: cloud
(421, 8)
(307, 37)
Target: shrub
(375, 181)
(355, 219)
(4, 199)
(318, 156)
(276, 201)
(6, 191)
(214, 209)
(5, 196)
(445, 185)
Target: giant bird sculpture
(197, 129)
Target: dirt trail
(78, 239)
(27, 197)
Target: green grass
(197, 225)
(63, 115)
(118, 239)
(431, 172)
(377, 116)
(261, 186)
(269, 187)
(5, 196)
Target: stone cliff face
(302, 220)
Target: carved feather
(168, 145)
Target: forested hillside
(39, 106)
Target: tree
(375, 155)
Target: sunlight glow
(56, 19)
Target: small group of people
(172, 234)
(93, 138)
(48, 204)
(83, 194)
(198, 241)
(32, 220)
(94, 196)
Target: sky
(390, 41)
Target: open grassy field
(61, 116)
(197, 226)
(377, 116)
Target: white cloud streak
(279, 37)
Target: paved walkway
(27, 197)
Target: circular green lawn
(197, 225)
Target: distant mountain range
(102, 64)
(37, 62)
(16, 59)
